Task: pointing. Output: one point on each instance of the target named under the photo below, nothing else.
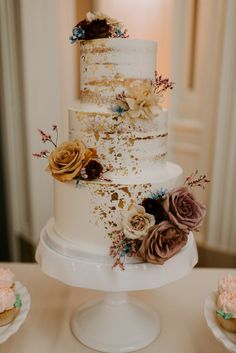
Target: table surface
(180, 305)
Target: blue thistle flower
(160, 194)
(118, 32)
(118, 109)
(77, 34)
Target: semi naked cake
(115, 193)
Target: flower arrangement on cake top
(98, 25)
(158, 228)
(71, 160)
(142, 99)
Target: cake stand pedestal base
(116, 324)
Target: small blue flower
(160, 194)
(77, 34)
(118, 109)
(127, 250)
(118, 32)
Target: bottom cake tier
(86, 215)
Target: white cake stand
(117, 323)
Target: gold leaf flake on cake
(111, 150)
(126, 190)
(121, 203)
(97, 135)
(100, 192)
(160, 156)
(114, 196)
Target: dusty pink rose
(162, 242)
(184, 210)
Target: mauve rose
(183, 209)
(162, 242)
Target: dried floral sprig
(122, 247)
(42, 154)
(46, 137)
(161, 84)
(195, 179)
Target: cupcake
(226, 303)
(10, 302)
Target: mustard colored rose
(67, 160)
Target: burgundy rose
(96, 29)
(155, 208)
(93, 170)
(184, 210)
(162, 242)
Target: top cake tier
(108, 66)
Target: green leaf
(225, 316)
(18, 302)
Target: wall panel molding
(194, 102)
(222, 225)
(13, 124)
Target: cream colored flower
(91, 16)
(142, 101)
(67, 160)
(136, 222)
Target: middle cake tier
(131, 149)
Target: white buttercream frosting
(6, 278)
(7, 299)
(227, 302)
(227, 284)
(108, 65)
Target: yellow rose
(67, 160)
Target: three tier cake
(115, 193)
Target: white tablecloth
(180, 304)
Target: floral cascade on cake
(142, 100)
(128, 200)
(71, 160)
(158, 228)
(10, 302)
(226, 303)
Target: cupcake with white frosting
(10, 302)
(226, 303)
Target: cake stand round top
(96, 272)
